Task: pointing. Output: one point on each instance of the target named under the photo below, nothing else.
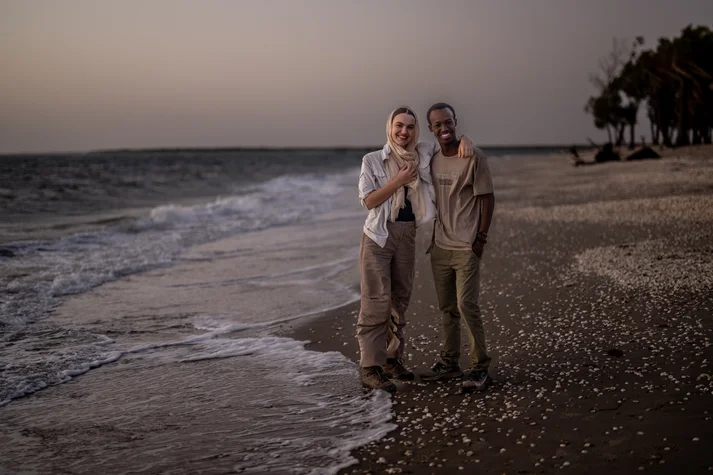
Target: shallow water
(155, 333)
(197, 339)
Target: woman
(395, 185)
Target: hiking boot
(476, 381)
(373, 377)
(395, 369)
(441, 370)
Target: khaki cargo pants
(456, 275)
(386, 283)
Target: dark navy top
(406, 213)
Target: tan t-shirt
(458, 182)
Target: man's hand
(478, 247)
(465, 149)
(407, 174)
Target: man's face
(443, 125)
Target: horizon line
(271, 148)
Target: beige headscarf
(398, 158)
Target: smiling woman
(387, 252)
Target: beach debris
(643, 153)
(606, 154)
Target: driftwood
(574, 155)
(577, 160)
(607, 154)
(643, 153)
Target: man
(465, 203)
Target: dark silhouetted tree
(675, 80)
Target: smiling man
(465, 203)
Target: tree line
(674, 82)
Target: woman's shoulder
(374, 161)
(374, 158)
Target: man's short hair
(439, 106)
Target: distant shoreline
(280, 149)
(339, 148)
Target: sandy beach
(597, 295)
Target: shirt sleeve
(428, 149)
(367, 183)
(483, 181)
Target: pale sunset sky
(80, 75)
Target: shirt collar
(385, 152)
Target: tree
(607, 108)
(675, 81)
(602, 107)
(632, 82)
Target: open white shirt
(373, 176)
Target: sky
(80, 75)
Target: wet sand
(597, 298)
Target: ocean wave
(42, 272)
(62, 184)
(278, 201)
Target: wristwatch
(482, 237)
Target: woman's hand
(465, 149)
(407, 174)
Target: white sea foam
(27, 374)
(336, 419)
(279, 201)
(320, 413)
(57, 354)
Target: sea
(160, 261)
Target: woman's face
(402, 129)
